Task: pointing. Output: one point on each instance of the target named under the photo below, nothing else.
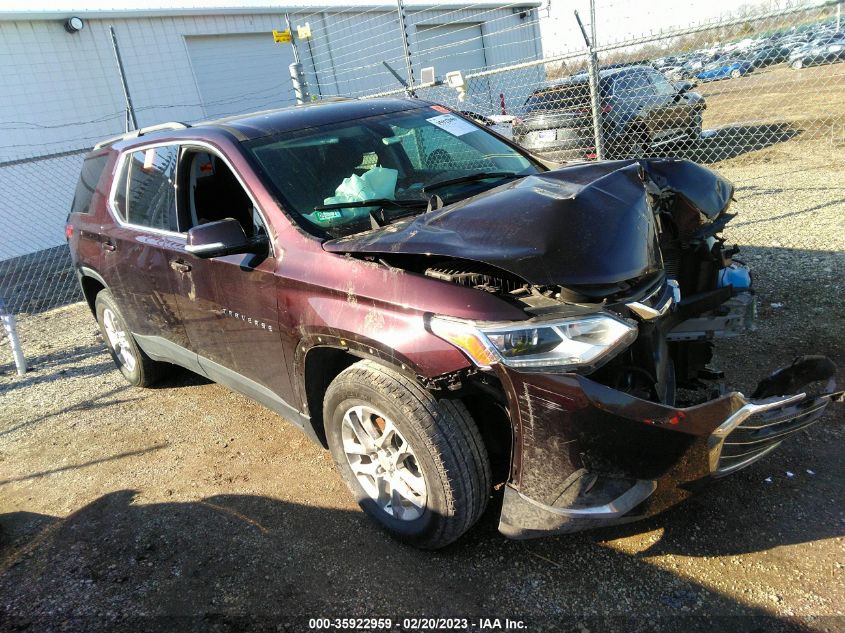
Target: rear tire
(415, 464)
(139, 369)
(736, 74)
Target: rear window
(92, 169)
(576, 96)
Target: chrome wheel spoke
(396, 502)
(352, 447)
(369, 469)
(415, 483)
(354, 418)
(383, 463)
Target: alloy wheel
(383, 462)
(117, 340)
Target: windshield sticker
(440, 108)
(456, 126)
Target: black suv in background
(641, 110)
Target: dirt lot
(189, 507)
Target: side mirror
(223, 237)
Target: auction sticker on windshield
(452, 124)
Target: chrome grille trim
(716, 441)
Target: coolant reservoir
(736, 275)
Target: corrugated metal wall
(62, 91)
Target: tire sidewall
(340, 399)
(105, 301)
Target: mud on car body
(440, 309)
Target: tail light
(68, 231)
(606, 107)
(517, 121)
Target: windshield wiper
(376, 202)
(470, 178)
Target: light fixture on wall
(74, 24)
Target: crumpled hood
(585, 224)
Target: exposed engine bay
(639, 239)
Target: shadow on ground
(731, 141)
(245, 562)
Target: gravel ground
(189, 507)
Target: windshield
(397, 161)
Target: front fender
(368, 330)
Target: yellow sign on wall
(281, 37)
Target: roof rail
(172, 125)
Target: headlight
(582, 343)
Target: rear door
(674, 110)
(634, 94)
(140, 246)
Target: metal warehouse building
(62, 88)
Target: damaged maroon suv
(440, 309)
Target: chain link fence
(763, 84)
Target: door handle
(109, 246)
(181, 267)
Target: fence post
(297, 74)
(593, 76)
(12, 333)
(409, 66)
(300, 88)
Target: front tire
(139, 369)
(797, 64)
(415, 464)
(736, 74)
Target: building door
(241, 73)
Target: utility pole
(131, 121)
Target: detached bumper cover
(586, 455)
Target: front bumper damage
(586, 455)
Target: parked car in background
(829, 52)
(725, 69)
(641, 110)
(440, 310)
(769, 56)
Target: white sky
(620, 20)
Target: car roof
(246, 127)
(582, 77)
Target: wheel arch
(321, 357)
(92, 283)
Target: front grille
(763, 430)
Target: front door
(229, 304)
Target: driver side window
(209, 191)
